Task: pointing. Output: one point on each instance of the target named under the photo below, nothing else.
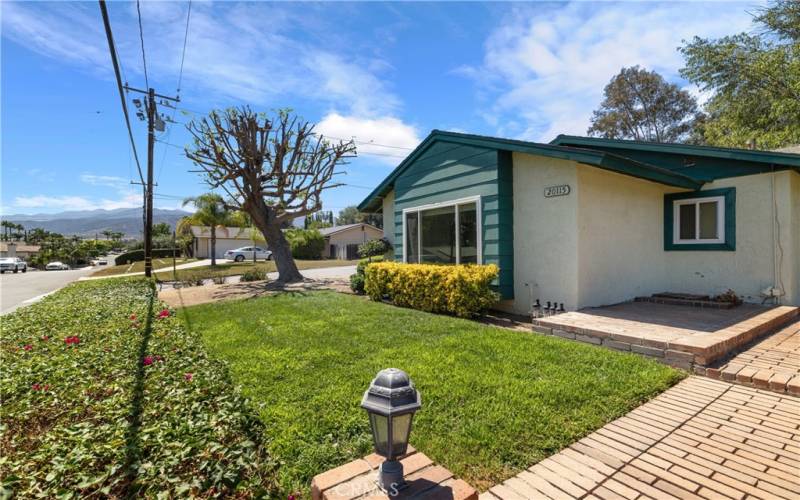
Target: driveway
(20, 289)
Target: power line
(113, 50)
(141, 38)
(183, 54)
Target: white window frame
(676, 221)
(450, 203)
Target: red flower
(72, 340)
(188, 376)
(36, 387)
(147, 361)
(46, 387)
(27, 347)
(164, 313)
(132, 317)
(290, 497)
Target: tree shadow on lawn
(132, 443)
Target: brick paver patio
(702, 438)
(772, 363)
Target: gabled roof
(327, 231)
(601, 159)
(703, 163)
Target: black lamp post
(391, 401)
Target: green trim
(601, 159)
(769, 157)
(730, 220)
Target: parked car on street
(14, 264)
(99, 262)
(57, 266)
(246, 253)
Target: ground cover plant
(106, 394)
(495, 401)
(239, 268)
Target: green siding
(448, 171)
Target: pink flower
(132, 317)
(147, 361)
(27, 347)
(164, 313)
(188, 376)
(290, 497)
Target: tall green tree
(755, 80)
(639, 104)
(351, 215)
(211, 212)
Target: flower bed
(105, 393)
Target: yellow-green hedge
(460, 290)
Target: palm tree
(211, 212)
(107, 233)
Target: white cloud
(250, 53)
(105, 180)
(547, 67)
(387, 139)
(63, 203)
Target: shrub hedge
(462, 290)
(138, 255)
(106, 394)
(305, 243)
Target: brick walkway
(702, 438)
(773, 363)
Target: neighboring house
(589, 221)
(17, 249)
(341, 242)
(228, 238)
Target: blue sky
(384, 73)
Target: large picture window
(443, 233)
(702, 220)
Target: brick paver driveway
(702, 438)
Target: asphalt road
(19, 289)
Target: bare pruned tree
(274, 168)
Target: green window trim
(728, 196)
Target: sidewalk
(702, 438)
(198, 263)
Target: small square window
(700, 221)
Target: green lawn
(227, 268)
(495, 401)
(138, 267)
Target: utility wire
(141, 38)
(113, 50)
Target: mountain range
(92, 222)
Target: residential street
(17, 289)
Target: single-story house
(17, 249)
(228, 238)
(590, 221)
(341, 242)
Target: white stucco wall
(388, 217)
(603, 243)
(545, 233)
(749, 269)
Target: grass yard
(138, 267)
(495, 401)
(227, 268)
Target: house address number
(561, 190)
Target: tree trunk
(281, 251)
(213, 245)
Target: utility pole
(154, 122)
(148, 223)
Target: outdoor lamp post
(391, 401)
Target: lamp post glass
(391, 401)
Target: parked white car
(14, 264)
(57, 266)
(99, 262)
(246, 253)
